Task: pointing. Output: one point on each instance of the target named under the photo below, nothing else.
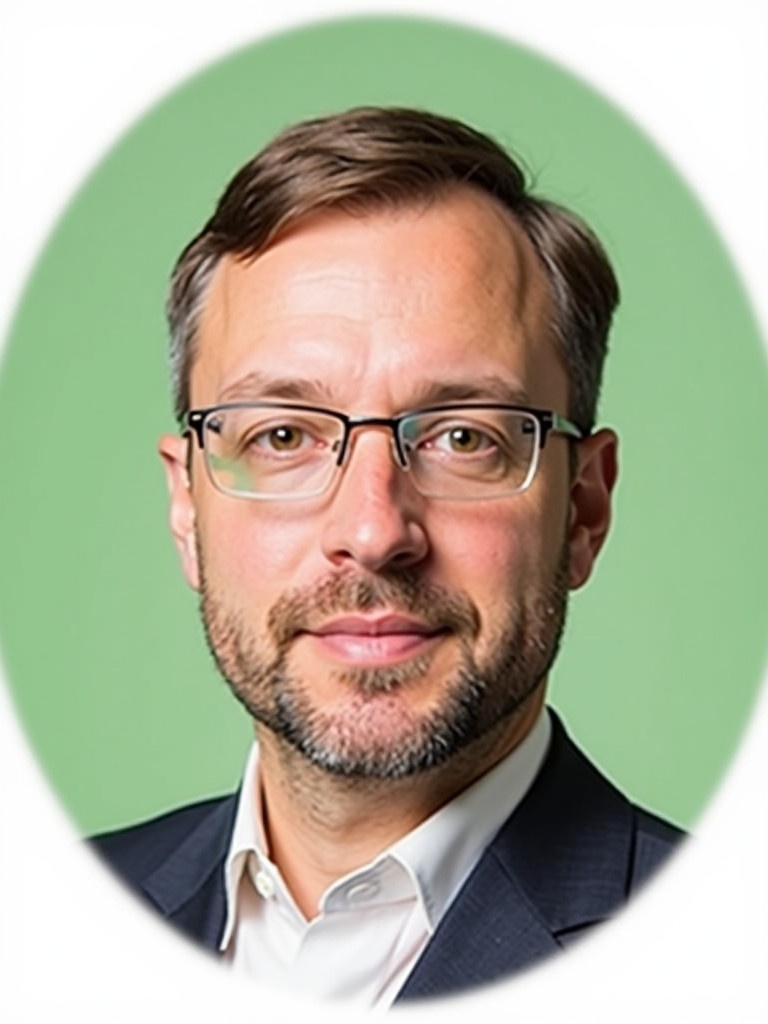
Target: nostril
(372, 522)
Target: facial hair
(375, 735)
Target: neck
(320, 826)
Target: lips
(375, 640)
(359, 625)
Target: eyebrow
(257, 386)
(480, 389)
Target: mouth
(363, 640)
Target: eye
(466, 439)
(283, 438)
(461, 439)
(280, 438)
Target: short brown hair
(373, 157)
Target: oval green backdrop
(664, 649)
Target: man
(386, 359)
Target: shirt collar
(439, 854)
(443, 850)
(247, 838)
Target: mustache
(305, 609)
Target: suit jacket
(570, 856)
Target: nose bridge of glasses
(356, 423)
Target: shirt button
(362, 891)
(264, 885)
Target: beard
(374, 735)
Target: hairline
(184, 356)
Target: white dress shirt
(373, 924)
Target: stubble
(375, 735)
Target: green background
(100, 637)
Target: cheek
(489, 553)
(503, 555)
(252, 553)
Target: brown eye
(285, 439)
(459, 439)
(465, 440)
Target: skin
(369, 315)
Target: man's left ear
(590, 512)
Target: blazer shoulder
(136, 850)
(655, 840)
(576, 845)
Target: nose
(375, 516)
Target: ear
(174, 453)
(590, 512)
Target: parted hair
(370, 158)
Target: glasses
(270, 451)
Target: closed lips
(387, 625)
(384, 640)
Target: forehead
(371, 308)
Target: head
(370, 159)
(375, 263)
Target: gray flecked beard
(480, 695)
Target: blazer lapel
(188, 886)
(488, 931)
(557, 866)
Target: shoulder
(576, 844)
(655, 840)
(581, 783)
(598, 805)
(635, 842)
(135, 851)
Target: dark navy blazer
(569, 857)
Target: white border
(73, 76)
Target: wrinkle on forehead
(498, 260)
(336, 272)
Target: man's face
(377, 630)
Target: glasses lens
(271, 451)
(471, 453)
